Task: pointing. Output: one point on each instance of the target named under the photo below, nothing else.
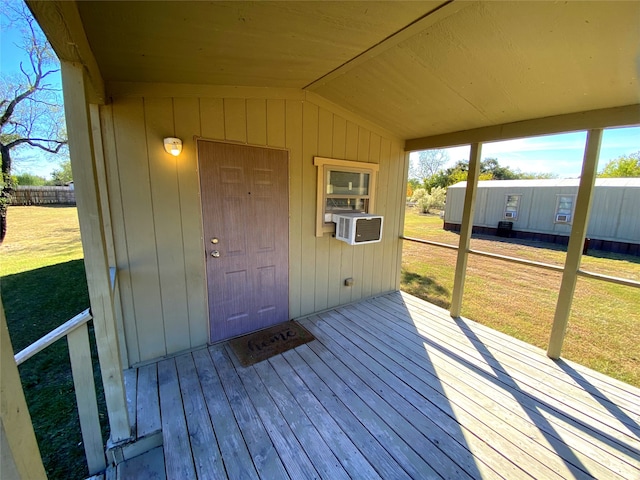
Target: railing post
(19, 452)
(466, 229)
(85, 388)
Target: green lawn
(43, 285)
(603, 331)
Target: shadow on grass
(425, 288)
(559, 246)
(36, 302)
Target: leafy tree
(412, 185)
(537, 175)
(490, 169)
(491, 166)
(624, 166)
(428, 163)
(31, 115)
(444, 178)
(30, 179)
(63, 175)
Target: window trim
(323, 164)
(504, 209)
(573, 208)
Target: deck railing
(77, 334)
(581, 273)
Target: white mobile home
(543, 210)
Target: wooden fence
(30, 195)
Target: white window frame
(325, 165)
(573, 208)
(506, 200)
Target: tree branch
(33, 143)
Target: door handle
(215, 254)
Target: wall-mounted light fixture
(173, 146)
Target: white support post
(91, 221)
(19, 452)
(576, 243)
(465, 230)
(85, 388)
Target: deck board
(206, 454)
(148, 406)
(280, 429)
(392, 387)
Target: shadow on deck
(393, 387)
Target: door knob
(215, 254)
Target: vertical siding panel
(352, 141)
(347, 270)
(235, 119)
(167, 220)
(524, 214)
(293, 141)
(385, 192)
(138, 219)
(276, 123)
(339, 137)
(126, 312)
(309, 149)
(325, 133)
(336, 286)
(361, 281)
(373, 253)
(186, 112)
(628, 221)
(483, 203)
(257, 121)
(212, 118)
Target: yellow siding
(157, 220)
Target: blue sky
(29, 160)
(559, 154)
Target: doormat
(258, 346)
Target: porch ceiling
(415, 68)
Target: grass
(603, 331)
(43, 284)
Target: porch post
(465, 229)
(91, 220)
(576, 242)
(19, 452)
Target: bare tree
(428, 164)
(31, 112)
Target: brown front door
(245, 209)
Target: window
(564, 208)
(343, 186)
(511, 206)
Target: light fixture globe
(173, 146)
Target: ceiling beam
(61, 23)
(417, 26)
(604, 118)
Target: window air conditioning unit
(358, 228)
(562, 218)
(509, 214)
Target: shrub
(425, 200)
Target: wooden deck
(393, 387)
